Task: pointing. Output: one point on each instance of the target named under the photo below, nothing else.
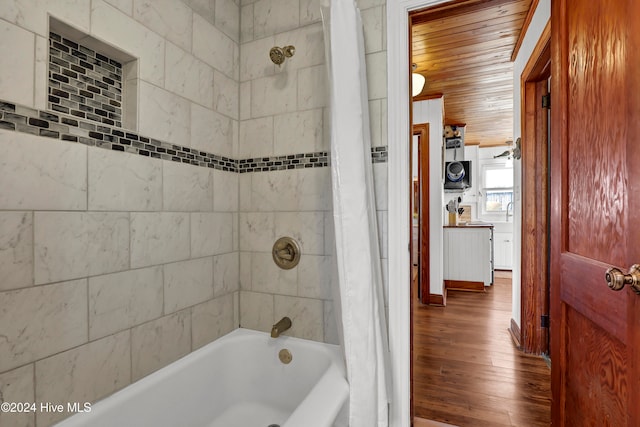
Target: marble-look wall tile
(244, 192)
(16, 250)
(38, 173)
(228, 18)
(211, 131)
(33, 15)
(245, 100)
(204, 8)
(71, 245)
(225, 95)
(307, 316)
(17, 386)
(214, 47)
(125, 6)
(187, 283)
(309, 11)
(160, 342)
(211, 320)
(246, 23)
(158, 238)
(122, 300)
(71, 376)
(277, 94)
(188, 76)
(163, 115)
(309, 44)
(254, 59)
(380, 185)
(269, 278)
(375, 119)
(256, 138)
(271, 17)
(226, 273)
(314, 189)
(41, 73)
(313, 90)
(124, 182)
(225, 191)
(131, 37)
(307, 228)
(372, 20)
(245, 271)
(383, 235)
(41, 321)
(299, 132)
(186, 187)
(329, 233)
(17, 67)
(256, 311)
(314, 277)
(257, 231)
(211, 233)
(274, 191)
(377, 75)
(169, 18)
(331, 334)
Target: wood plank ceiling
(464, 50)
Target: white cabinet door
(467, 254)
(503, 244)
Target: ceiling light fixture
(417, 81)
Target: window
(497, 188)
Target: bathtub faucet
(282, 325)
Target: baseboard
(462, 285)
(438, 300)
(516, 335)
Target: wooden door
(420, 208)
(595, 209)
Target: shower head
(279, 54)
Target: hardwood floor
(466, 370)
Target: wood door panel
(607, 308)
(596, 391)
(597, 130)
(595, 331)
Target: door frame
(422, 131)
(532, 337)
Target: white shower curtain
(361, 305)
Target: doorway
(419, 184)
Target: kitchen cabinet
(503, 244)
(468, 256)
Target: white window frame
(492, 164)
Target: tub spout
(282, 325)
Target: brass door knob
(616, 279)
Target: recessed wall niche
(90, 79)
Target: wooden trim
(525, 27)
(422, 130)
(516, 335)
(452, 8)
(438, 300)
(463, 285)
(535, 190)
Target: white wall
(432, 112)
(540, 18)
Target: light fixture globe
(417, 84)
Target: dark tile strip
(67, 128)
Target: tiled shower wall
(115, 264)
(283, 111)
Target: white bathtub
(236, 381)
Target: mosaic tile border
(67, 128)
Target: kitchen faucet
(509, 205)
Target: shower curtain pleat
(364, 328)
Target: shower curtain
(361, 308)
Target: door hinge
(546, 101)
(544, 321)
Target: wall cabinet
(503, 244)
(468, 254)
